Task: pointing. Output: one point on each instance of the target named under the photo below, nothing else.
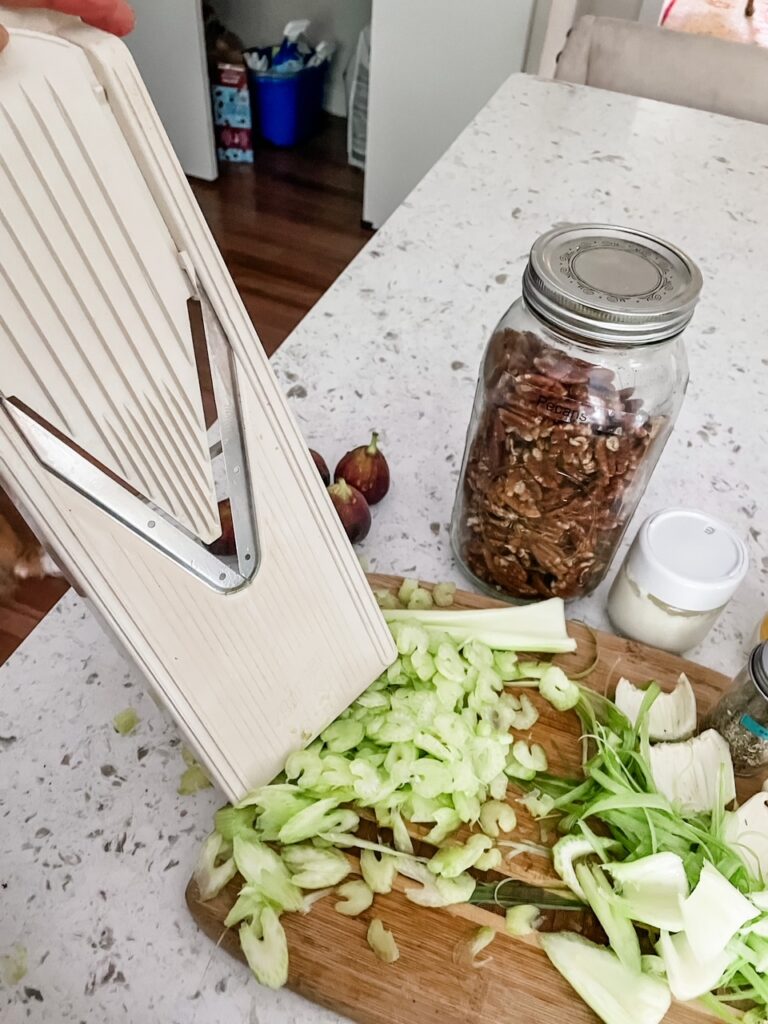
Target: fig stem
(343, 489)
(373, 447)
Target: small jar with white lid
(680, 572)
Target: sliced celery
(125, 721)
(522, 920)
(557, 688)
(313, 868)
(496, 817)
(443, 594)
(466, 952)
(357, 896)
(452, 861)
(378, 872)
(215, 866)
(382, 942)
(265, 947)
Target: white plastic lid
(687, 559)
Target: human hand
(111, 15)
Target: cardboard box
(233, 125)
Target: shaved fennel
(696, 775)
(672, 716)
(618, 994)
(713, 913)
(746, 829)
(652, 889)
(689, 977)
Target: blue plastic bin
(287, 108)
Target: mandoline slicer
(102, 436)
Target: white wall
(434, 65)
(629, 9)
(551, 22)
(169, 48)
(261, 22)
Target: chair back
(674, 67)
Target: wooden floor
(288, 230)
(288, 226)
(31, 602)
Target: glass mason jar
(579, 388)
(741, 716)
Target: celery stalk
(535, 627)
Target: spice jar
(741, 716)
(681, 571)
(579, 388)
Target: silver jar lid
(610, 284)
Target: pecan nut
(551, 473)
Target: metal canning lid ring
(610, 284)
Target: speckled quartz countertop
(95, 844)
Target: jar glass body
(563, 437)
(645, 617)
(741, 718)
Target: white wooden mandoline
(102, 246)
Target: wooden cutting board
(331, 963)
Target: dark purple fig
(366, 469)
(322, 466)
(352, 509)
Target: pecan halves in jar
(555, 452)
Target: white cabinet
(168, 45)
(434, 65)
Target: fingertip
(4, 37)
(113, 16)
(123, 19)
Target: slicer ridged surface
(96, 295)
(100, 345)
